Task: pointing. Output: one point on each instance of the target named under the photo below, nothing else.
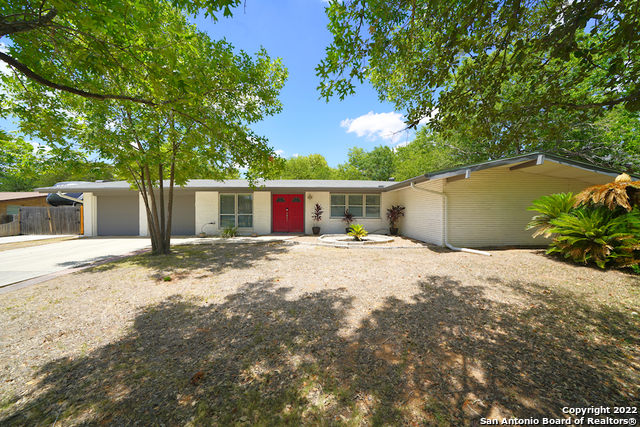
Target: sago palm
(622, 193)
(596, 234)
(550, 207)
(358, 232)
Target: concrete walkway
(31, 237)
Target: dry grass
(303, 335)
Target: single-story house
(473, 206)
(10, 202)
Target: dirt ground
(280, 334)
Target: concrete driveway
(26, 263)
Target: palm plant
(597, 234)
(550, 207)
(622, 193)
(358, 232)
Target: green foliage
(597, 234)
(374, 165)
(229, 231)
(92, 38)
(428, 152)
(358, 232)
(497, 79)
(23, 167)
(313, 166)
(203, 97)
(550, 207)
(394, 214)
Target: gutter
(446, 222)
(64, 196)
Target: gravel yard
(279, 334)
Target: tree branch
(7, 28)
(38, 78)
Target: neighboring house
(474, 206)
(10, 202)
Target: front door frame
(277, 219)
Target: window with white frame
(360, 205)
(236, 210)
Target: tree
(219, 93)
(23, 167)
(426, 153)
(448, 61)
(376, 165)
(86, 38)
(313, 166)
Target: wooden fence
(50, 220)
(9, 225)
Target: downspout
(446, 222)
(64, 196)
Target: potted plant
(358, 232)
(393, 215)
(348, 217)
(316, 216)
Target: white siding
(207, 212)
(90, 208)
(143, 224)
(423, 214)
(490, 207)
(262, 212)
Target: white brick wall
(423, 214)
(330, 225)
(207, 211)
(262, 212)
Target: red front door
(288, 213)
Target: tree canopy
(313, 166)
(216, 95)
(68, 45)
(24, 167)
(505, 67)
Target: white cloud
(295, 155)
(388, 126)
(279, 152)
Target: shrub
(550, 207)
(358, 232)
(596, 234)
(316, 214)
(601, 224)
(348, 217)
(230, 231)
(394, 214)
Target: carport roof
(535, 163)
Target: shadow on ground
(208, 258)
(447, 358)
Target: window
(236, 210)
(360, 205)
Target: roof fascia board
(536, 162)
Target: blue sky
(296, 31)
